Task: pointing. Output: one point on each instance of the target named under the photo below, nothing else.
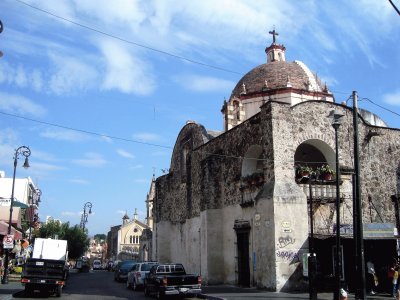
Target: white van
(97, 264)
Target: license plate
(183, 290)
(43, 281)
(40, 263)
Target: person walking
(393, 275)
(372, 280)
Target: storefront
(380, 247)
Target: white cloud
(63, 135)
(392, 98)
(124, 71)
(21, 77)
(91, 160)
(70, 74)
(126, 12)
(71, 213)
(125, 154)
(135, 167)
(147, 137)
(40, 167)
(20, 105)
(204, 83)
(80, 181)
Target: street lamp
(35, 201)
(336, 116)
(25, 151)
(85, 215)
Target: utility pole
(358, 235)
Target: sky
(99, 90)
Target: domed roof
(278, 75)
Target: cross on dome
(274, 34)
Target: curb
(205, 296)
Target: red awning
(4, 231)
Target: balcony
(322, 191)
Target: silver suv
(137, 274)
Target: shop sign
(5, 201)
(370, 230)
(378, 230)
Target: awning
(16, 215)
(347, 236)
(4, 231)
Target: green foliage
(78, 241)
(325, 169)
(99, 237)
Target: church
(235, 204)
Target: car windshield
(127, 266)
(147, 267)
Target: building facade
(124, 240)
(234, 206)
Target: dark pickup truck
(171, 279)
(44, 274)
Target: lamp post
(312, 259)
(25, 151)
(336, 116)
(35, 201)
(85, 215)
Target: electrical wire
(130, 42)
(395, 8)
(372, 102)
(85, 131)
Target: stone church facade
(233, 207)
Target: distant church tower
(150, 202)
(125, 219)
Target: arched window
(236, 110)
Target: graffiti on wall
(283, 241)
(292, 256)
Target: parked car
(97, 264)
(122, 269)
(171, 279)
(138, 273)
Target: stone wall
(198, 202)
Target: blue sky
(127, 74)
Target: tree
(78, 241)
(99, 237)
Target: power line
(394, 6)
(130, 42)
(393, 112)
(85, 131)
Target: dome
(278, 75)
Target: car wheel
(59, 291)
(146, 291)
(159, 295)
(134, 286)
(128, 285)
(28, 290)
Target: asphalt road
(95, 285)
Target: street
(93, 285)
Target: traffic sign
(8, 241)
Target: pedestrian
(393, 275)
(372, 280)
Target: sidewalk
(229, 292)
(7, 290)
